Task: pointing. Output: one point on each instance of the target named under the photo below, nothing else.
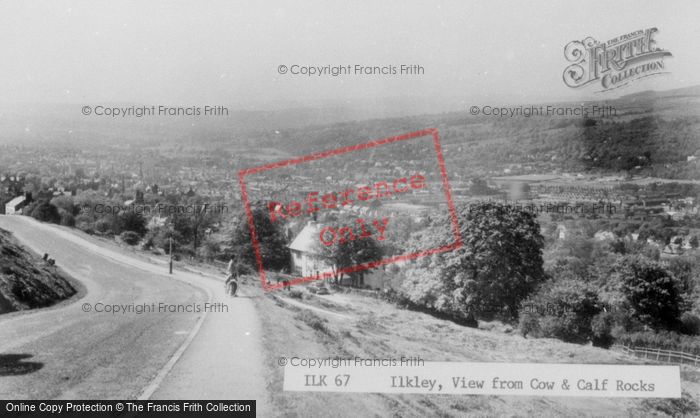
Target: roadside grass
(379, 329)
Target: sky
(228, 52)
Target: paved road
(66, 353)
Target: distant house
(307, 255)
(15, 206)
(156, 222)
(604, 236)
(672, 250)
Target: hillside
(26, 281)
(347, 324)
(650, 134)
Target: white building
(14, 206)
(308, 259)
(307, 255)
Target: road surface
(67, 353)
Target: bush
(64, 203)
(209, 250)
(130, 237)
(685, 406)
(562, 310)
(392, 296)
(690, 324)
(160, 238)
(529, 324)
(130, 221)
(103, 226)
(46, 212)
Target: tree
(353, 253)
(130, 221)
(65, 203)
(272, 243)
(46, 212)
(498, 265)
(651, 291)
(161, 238)
(209, 250)
(191, 225)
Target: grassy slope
(378, 329)
(26, 281)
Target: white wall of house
(307, 264)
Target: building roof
(16, 201)
(307, 241)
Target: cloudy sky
(228, 52)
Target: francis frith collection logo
(614, 63)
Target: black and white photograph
(393, 208)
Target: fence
(658, 354)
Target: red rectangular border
(311, 157)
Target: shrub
(46, 212)
(103, 226)
(209, 250)
(690, 324)
(529, 324)
(64, 203)
(130, 237)
(393, 296)
(131, 221)
(562, 310)
(684, 406)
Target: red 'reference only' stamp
(370, 191)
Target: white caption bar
(528, 379)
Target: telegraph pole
(171, 254)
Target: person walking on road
(231, 278)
